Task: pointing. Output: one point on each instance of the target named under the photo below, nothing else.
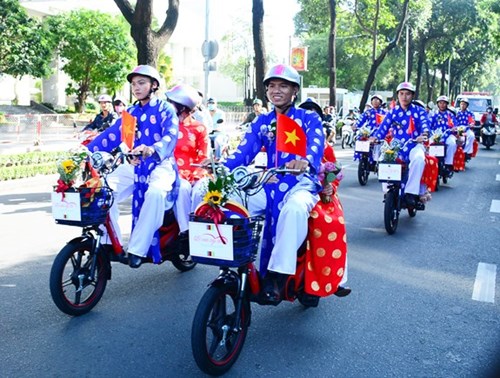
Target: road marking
(498, 177)
(484, 285)
(495, 206)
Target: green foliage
(96, 49)
(25, 48)
(15, 166)
(467, 31)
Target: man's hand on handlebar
(139, 152)
(301, 165)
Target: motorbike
(82, 268)
(438, 150)
(366, 162)
(347, 133)
(488, 135)
(395, 175)
(223, 315)
(219, 142)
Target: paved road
(411, 313)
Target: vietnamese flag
(289, 136)
(450, 121)
(128, 129)
(411, 126)
(379, 118)
(471, 120)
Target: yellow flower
(68, 166)
(213, 197)
(389, 152)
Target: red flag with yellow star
(290, 137)
(128, 129)
(471, 120)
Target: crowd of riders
(172, 147)
(417, 126)
(167, 170)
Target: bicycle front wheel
(216, 338)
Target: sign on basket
(362, 146)
(389, 172)
(436, 150)
(204, 241)
(66, 206)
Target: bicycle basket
(232, 244)
(84, 207)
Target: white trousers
(291, 228)
(188, 199)
(416, 169)
(451, 148)
(153, 208)
(469, 141)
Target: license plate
(389, 172)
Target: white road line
(495, 206)
(498, 177)
(484, 285)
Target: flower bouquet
(436, 136)
(364, 133)
(461, 130)
(389, 150)
(328, 173)
(69, 169)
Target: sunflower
(68, 166)
(213, 197)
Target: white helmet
(464, 99)
(104, 98)
(405, 85)
(377, 96)
(145, 70)
(185, 95)
(283, 72)
(443, 98)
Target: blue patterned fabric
(368, 119)
(439, 122)
(463, 118)
(398, 120)
(158, 127)
(259, 135)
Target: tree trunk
(443, 79)
(148, 42)
(420, 64)
(332, 55)
(259, 48)
(377, 62)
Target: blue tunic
(158, 127)
(440, 122)
(398, 120)
(369, 119)
(463, 118)
(258, 135)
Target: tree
(332, 58)
(259, 47)
(377, 60)
(24, 46)
(95, 49)
(148, 41)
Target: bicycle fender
(228, 278)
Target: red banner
(298, 58)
